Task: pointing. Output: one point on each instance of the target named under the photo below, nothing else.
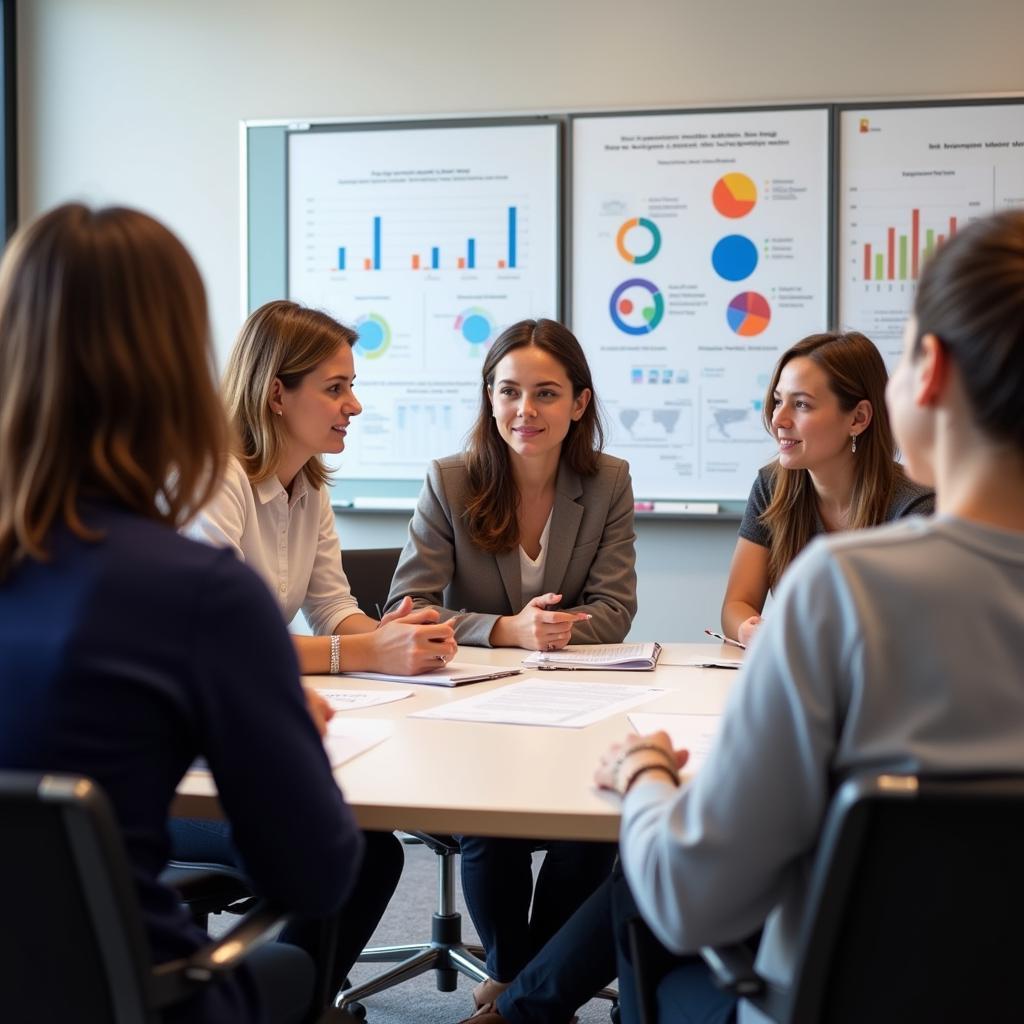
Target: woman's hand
(622, 762)
(411, 644)
(535, 628)
(319, 710)
(747, 629)
(404, 613)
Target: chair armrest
(732, 970)
(176, 979)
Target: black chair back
(369, 572)
(916, 904)
(73, 945)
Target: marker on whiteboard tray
(643, 506)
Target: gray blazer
(590, 558)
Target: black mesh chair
(369, 573)
(74, 947)
(914, 910)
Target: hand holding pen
(726, 639)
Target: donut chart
(374, 336)
(734, 257)
(476, 326)
(734, 195)
(655, 240)
(636, 306)
(748, 314)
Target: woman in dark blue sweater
(126, 650)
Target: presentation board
(700, 252)
(428, 240)
(910, 177)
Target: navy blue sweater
(127, 658)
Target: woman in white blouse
(288, 391)
(289, 394)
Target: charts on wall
(428, 241)
(909, 179)
(700, 253)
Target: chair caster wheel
(356, 1011)
(615, 1013)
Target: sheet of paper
(349, 737)
(695, 733)
(534, 701)
(353, 700)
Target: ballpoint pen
(726, 639)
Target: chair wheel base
(615, 1013)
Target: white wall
(138, 102)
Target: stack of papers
(613, 657)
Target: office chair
(913, 913)
(369, 573)
(75, 947)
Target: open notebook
(612, 657)
(455, 673)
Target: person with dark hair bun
(896, 648)
(531, 531)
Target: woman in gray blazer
(531, 532)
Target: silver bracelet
(335, 654)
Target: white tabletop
(487, 779)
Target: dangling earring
(853, 443)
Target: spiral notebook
(610, 657)
(455, 673)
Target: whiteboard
(428, 240)
(909, 178)
(700, 252)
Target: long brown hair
(284, 340)
(493, 498)
(107, 375)
(855, 372)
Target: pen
(380, 614)
(726, 639)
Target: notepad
(611, 657)
(455, 673)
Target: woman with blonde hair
(836, 468)
(126, 650)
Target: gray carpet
(407, 921)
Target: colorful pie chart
(734, 195)
(749, 314)
(636, 306)
(476, 325)
(734, 257)
(374, 336)
(624, 239)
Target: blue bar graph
(471, 253)
(435, 258)
(511, 236)
(376, 243)
(341, 258)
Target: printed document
(695, 733)
(354, 700)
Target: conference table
(434, 775)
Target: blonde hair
(279, 340)
(107, 377)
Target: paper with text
(568, 705)
(353, 700)
(695, 733)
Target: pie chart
(628, 234)
(734, 195)
(374, 336)
(734, 257)
(748, 314)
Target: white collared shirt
(290, 542)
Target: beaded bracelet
(649, 768)
(657, 748)
(335, 654)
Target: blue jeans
(587, 953)
(497, 881)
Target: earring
(853, 443)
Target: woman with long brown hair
(836, 468)
(530, 531)
(127, 650)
